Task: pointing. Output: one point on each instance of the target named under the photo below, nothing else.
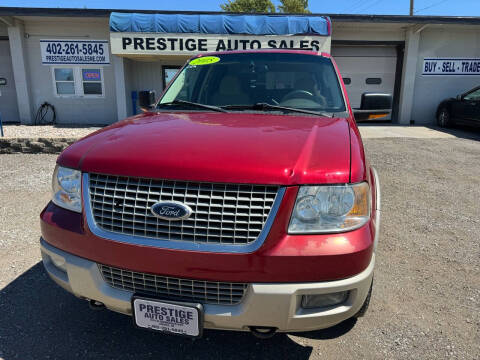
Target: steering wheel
(295, 94)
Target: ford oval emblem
(171, 210)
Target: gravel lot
(47, 131)
(426, 300)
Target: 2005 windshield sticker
(451, 67)
(205, 60)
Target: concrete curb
(34, 145)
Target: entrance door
(8, 95)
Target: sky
(391, 7)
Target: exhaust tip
(96, 305)
(263, 332)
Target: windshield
(239, 81)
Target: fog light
(324, 300)
(59, 262)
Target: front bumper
(265, 304)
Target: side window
(64, 81)
(474, 95)
(92, 82)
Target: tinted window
(92, 81)
(474, 95)
(92, 88)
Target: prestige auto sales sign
(191, 44)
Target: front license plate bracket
(171, 317)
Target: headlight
(330, 209)
(66, 186)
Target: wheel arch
(444, 104)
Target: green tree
(294, 6)
(250, 6)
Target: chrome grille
(222, 213)
(209, 292)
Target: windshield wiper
(267, 106)
(193, 104)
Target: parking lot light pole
(411, 7)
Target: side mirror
(146, 100)
(376, 101)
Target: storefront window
(77, 81)
(92, 81)
(64, 81)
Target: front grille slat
(169, 288)
(230, 214)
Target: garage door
(8, 96)
(366, 69)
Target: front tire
(443, 118)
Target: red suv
(241, 200)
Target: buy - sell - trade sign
(451, 66)
(191, 44)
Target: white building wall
(8, 92)
(120, 88)
(443, 42)
(367, 32)
(409, 75)
(18, 52)
(147, 76)
(73, 110)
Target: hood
(219, 147)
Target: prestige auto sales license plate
(170, 317)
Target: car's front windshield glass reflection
(239, 80)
